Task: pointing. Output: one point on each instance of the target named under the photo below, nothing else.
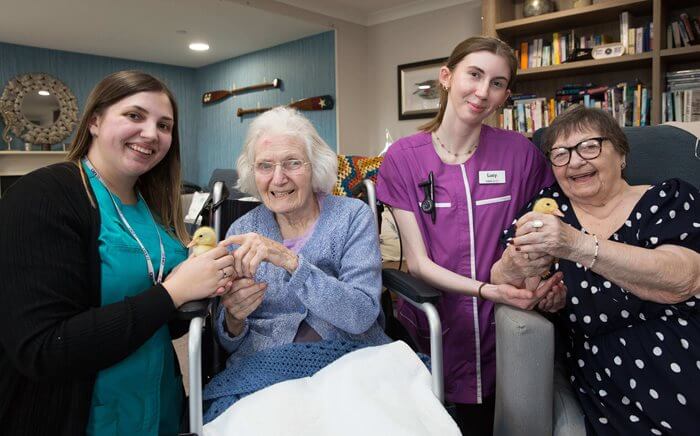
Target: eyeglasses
(587, 149)
(289, 166)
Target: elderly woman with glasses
(307, 263)
(631, 262)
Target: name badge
(492, 177)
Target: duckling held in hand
(203, 240)
(547, 205)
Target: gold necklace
(466, 153)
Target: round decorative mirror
(38, 108)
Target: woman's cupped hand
(207, 275)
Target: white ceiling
(371, 12)
(152, 30)
(146, 30)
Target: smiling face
(283, 193)
(590, 181)
(477, 86)
(131, 136)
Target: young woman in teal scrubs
(90, 284)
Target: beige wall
(366, 60)
(417, 38)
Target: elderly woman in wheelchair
(630, 258)
(307, 265)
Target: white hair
(288, 122)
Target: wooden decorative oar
(214, 96)
(321, 103)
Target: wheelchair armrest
(193, 309)
(409, 287)
(524, 372)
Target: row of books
(629, 104)
(683, 32)
(541, 53)
(681, 105)
(681, 101)
(635, 39)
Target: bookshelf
(503, 19)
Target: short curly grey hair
(288, 122)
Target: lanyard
(149, 263)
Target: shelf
(691, 53)
(33, 153)
(19, 163)
(575, 17)
(591, 65)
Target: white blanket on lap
(384, 390)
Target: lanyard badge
(149, 263)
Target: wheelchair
(409, 288)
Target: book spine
(556, 47)
(645, 107)
(684, 34)
(523, 55)
(631, 41)
(624, 27)
(688, 28)
(664, 113)
(676, 34)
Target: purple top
(475, 201)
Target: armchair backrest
(657, 153)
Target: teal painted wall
(307, 69)
(211, 136)
(82, 72)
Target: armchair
(533, 397)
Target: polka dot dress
(634, 364)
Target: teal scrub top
(142, 394)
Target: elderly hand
(253, 249)
(519, 265)
(526, 299)
(240, 301)
(555, 299)
(544, 233)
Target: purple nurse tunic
(475, 202)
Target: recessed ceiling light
(199, 46)
(42, 92)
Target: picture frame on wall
(419, 89)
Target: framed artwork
(419, 89)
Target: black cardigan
(54, 336)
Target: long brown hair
(467, 47)
(160, 186)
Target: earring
(446, 88)
(623, 165)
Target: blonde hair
(463, 49)
(160, 186)
(288, 122)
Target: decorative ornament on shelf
(581, 3)
(537, 7)
(39, 109)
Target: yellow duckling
(547, 205)
(203, 240)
